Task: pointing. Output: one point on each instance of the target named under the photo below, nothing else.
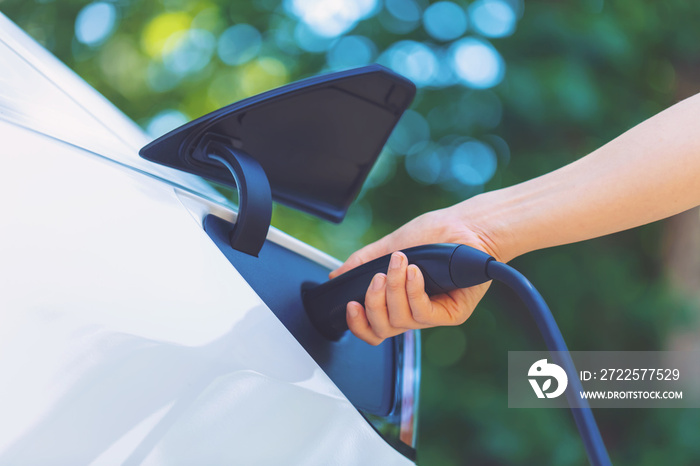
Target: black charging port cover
(316, 139)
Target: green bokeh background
(577, 74)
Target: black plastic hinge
(254, 194)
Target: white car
(128, 334)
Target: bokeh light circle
(95, 22)
(157, 34)
(350, 52)
(190, 51)
(493, 18)
(331, 18)
(426, 166)
(445, 21)
(404, 10)
(473, 163)
(414, 60)
(477, 63)
(239, 44)
(307, 39)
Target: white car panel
(125, 334)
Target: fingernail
(378, 281)
(352, 310)
(396, 261)
(411, 272)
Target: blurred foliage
(577, 74)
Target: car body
(126, 336)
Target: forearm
(650, 172)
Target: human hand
(396, 301)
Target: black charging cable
(585, 422)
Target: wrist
(482, 222)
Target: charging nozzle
(445, 267)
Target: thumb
(362, 256)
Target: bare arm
(648, 173)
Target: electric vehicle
(129, 334)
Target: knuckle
(415, 293)
(462, 317)
(422, 317)
(383, 333)
(374, 301)
(357, 329)
(355, 259)
(399, 321)
(395, 321)
(360, 331)
(395, 285)
(360, 256)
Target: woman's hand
(396, 301)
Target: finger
(361, 256)
(355, 260)
(359, 325)
(420, 306)
(455, 307)
(399, 311)
(468, 299)
(375, 307)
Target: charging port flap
(316, 139)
